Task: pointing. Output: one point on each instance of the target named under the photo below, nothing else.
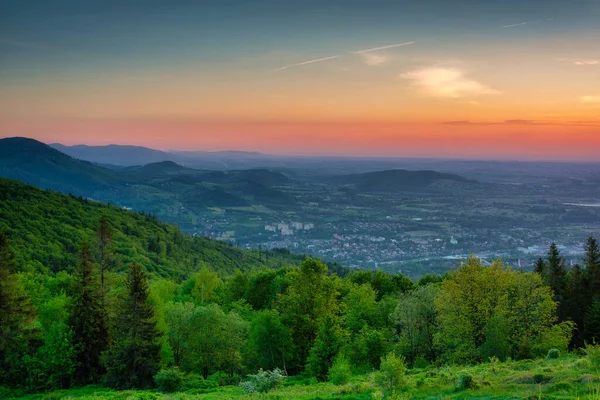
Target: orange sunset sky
(473, 79)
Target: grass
(568, 377)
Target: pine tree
(135, 358)
(16, 314)
(105, 238)
(591, 262)
(88, 321)
(592, 323)
(540, 267)
(575, 301)
(557, 279)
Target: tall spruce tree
(135, 357)
(591, 262)
(88, 321)
(557, 279)
(105, 238)
(575, 302)
(16, 314)
(592, 322)
(540, 267)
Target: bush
(169, 380)
(263, 381)
(592, 352)
(420, 362)
(465, 381)
(392, 373)
(553, 354)
(340, 372)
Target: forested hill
(46, 229)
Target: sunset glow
(493, 79)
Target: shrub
(263, 381)
(420, 362)
(553, 354)
(169, 380)
(197, 382)
(539, 378)
(392, 373)
(465, 381)
(340, 372)
(593, 354)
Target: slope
(397, 179)
(46, 229)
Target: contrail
(306, 62)
(511, 26)
(384, 47)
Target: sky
(502, 79)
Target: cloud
(590, 99)
(520, 122)
(389, 46)
(305, 63)
(447, 82)
(513, 25)
(374, 60)
(586, 62)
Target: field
(568, 377)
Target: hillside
(115, 154)
(36, 163)
(46, 228)
(397, 179)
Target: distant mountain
(397, 179)
(115, 154)
(159, 168)
(36, 163)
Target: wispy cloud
(28, 45)
(447, 82)
(375, 60)
(518, 122)
(389, 46)
(586, 62)
(590, 99)
(306, 63)
(514, 25)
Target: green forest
(98, 302)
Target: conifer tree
(88, 321)
(105, 238)
(557, 279)
(592, 323)
(15, 315)
(591, 262)
(540, 267)
(135, 357)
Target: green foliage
(553, 354)
(556, 337)
(392, 373)
(592, 351)
(328, 343)
(465, 381)
(270, 341)
(340, 372)
(169, 380)
(263, 381)
(135, 358)
(88, 321)
(592, 322)
(46, 229)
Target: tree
(577, 301)
(540, 267)
(557, 278)
(178, 317)
(328, 343)
(311, 296)
(105, 237)
(135, 357)
(270, 341)
(591, 262)
(88, 321)
(465, 304)
(16, 315)
(415, 318)
(592, 322)
(392, 373)
(206, 284)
